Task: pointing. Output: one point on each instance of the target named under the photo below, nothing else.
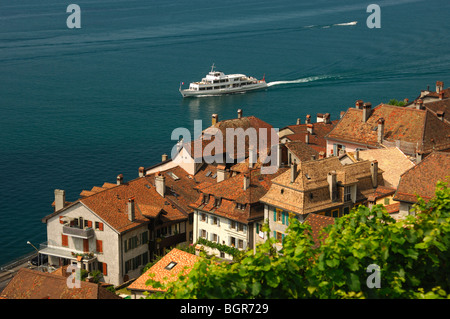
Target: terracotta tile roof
(303, 151)
(184, 263)
(312, 178)
(422, 178)
(420, 128)
(317, 223)
(222, 126)
(440, 106)
(391, 160)
(231, 191)
(32, 284)
(380, 192)
(393, 208)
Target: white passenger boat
(217, 83)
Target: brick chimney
(367, 110)
(308, 119)
(131, 209)
(380, 130)
(221, 173)
(293, 171)
(119, 179)
(214, 119)
(239, 112)
(141, 171)
(359, 104)
(160, 184)
(374, 173)
(60, 199)
(439, 86)
(331, 179)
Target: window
(217, 202)
(203, 233)
(240, 206)
(347, 193)
(240, 244)
(204, 217)
(214, 238)
(170, 265)
(99, 226)
(335, 213)
(278, 236)
(144, 237)
(346, 210)
(216, 221)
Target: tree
(409, 258)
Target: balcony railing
(84, 233)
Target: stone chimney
(326, 118)
(214, 119)
(141, 171)
(321, 154)
(160, 184)
(359, 104)
(239, 112)
(357, 155)
(440, 115)
(307, 138)
(60, 199)
(246, 181)
(332, 186)
(164, 158)
(380, 130)
(310, 128)
(308, 119)
(439, 86)
(131, 209)
(119, 179)
(374, 173)
(367, 110)
(293, 171)
(221, 173)
(299, 122)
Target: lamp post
(28, 242)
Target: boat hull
(196, 93)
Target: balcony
(84, 233)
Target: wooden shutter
(64, 241)
(99, 246)
(86, 245)
(60, 220)
(89, 223)
(105, 269)
(100, 226)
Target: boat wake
(302, 80)
(347, 23)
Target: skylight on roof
(174, 177)
(170, 265)
(208, 173)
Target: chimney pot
(374, 173)
(119, 179)
(246, 181)
(380, 130)
(359, 104)
(308, 119)
(160, 184)
(419, 104)
(367, 108)
(214, 119)
(293, 171)
(60, 199)
(131, 209)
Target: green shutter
(283, 217)
(274, 234)
(287, 219)
(274, 214)
(257, 228)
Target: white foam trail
(303, 80)
(347, 23)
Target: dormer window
(240, 206)
(205, 198)
(217, 201)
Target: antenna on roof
(212, 67)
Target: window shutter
(64, 240)
(218, 222)
(60, 220)
(245, 228)
(257, 228)
(86, 245)
(99, 246)
(274, 234)
(125, 245)
(89, 223)
(100, 226)
(274, 214)
(335, 149)
(229, 223)
(105, 269)
(283, 217)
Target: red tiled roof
(32, 284)
(422, 178)
(184, 263)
